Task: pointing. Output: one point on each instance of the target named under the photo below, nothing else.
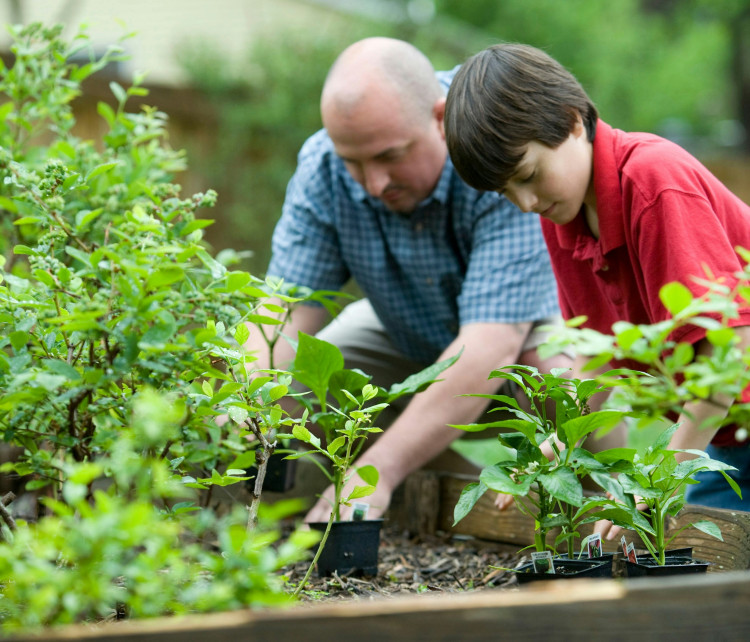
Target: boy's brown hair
(503, 98)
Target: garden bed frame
(711, 606)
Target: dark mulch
(419, 565)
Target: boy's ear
(578, 127)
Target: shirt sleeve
(680, 237)
(509, 278)
(305, 244)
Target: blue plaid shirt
(463, 256)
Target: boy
(622, 213)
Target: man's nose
(375, 180)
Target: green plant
(115, 555)
(656, 481)
(345, 426)
(120, 343)
(672, 377)
(544, 475)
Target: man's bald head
(370, 68)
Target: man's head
(501, 100)
(383, 109)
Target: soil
(414, 565)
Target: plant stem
(322, 543)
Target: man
(443, 267)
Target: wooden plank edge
(675, 608)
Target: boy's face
(554, 182)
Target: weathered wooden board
(701, 607)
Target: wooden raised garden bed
(711, 606)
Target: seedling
(345, 426)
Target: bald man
(443, 267)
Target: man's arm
(422, 430)
(304, 318)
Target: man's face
(395, 158)
(554, 182)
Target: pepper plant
(549, 461)
(656, 480)
(667, 374)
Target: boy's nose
(525, 199)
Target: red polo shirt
(662, 217)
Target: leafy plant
(120, 342)
(115, 555)
(345, 426)
(671, 375)
(544, 476)
(657, 480)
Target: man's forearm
(422, 431)
(304, 318)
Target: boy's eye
(528, 178)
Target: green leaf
(498, 479)
(675, 297)
(237, 415)
(101, 169)
(578, 427)
(7, 204)
(165, 275)
(467, 500)
(120, 94)
(721, 337)
(369, 474)
(195, 224)
(62, 368)
(709, 528)
(26, 220)
(216, 269)
(360, 491)
(563, 484)
(335, 445)
(420, 380)
(241, 334)
(315, 362)
(305, 436)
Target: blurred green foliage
(649, 65)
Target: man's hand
(378, 501)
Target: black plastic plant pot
(606, 560)
(280, 474)
(676, 562)
(351, 547)
(566, 569)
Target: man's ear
(438, 113)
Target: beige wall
(160, 26)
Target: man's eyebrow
(380, 155)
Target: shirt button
(428, 281)
(418, 227)
(605, 267)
